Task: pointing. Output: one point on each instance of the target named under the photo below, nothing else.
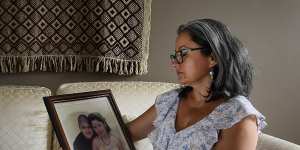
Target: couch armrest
(24, 123)
(268, 142)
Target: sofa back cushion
(132, 98)
(24, 121)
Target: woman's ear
(212, 61)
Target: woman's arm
(241, 136)
(141, 126)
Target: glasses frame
(177, 58)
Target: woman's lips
(179, 74)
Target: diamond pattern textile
(75, 35)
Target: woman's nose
(174, 65)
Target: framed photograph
(87, 121)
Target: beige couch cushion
(24, 122)
(267, 142)
(133, 98)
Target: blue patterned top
(203, 134)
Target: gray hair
(233, 73)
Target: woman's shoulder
(167, 97)
(238, 104)
(113, 137)
(163, 103)
(234, 110)
(115, 140)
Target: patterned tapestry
(75, 35)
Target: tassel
(121, 68)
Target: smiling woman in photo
(103, 140)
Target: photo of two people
(95, 134)
(88, 121)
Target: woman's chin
(182, 82)
(185, 82)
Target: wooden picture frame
(83, 119)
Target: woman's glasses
(177, 58)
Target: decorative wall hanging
(75, 35)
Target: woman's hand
(142, 126)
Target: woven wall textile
(75, 35)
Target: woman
(212, 109)
(104, 140)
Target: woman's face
(86, 130)
(195, 66)
(98, 127)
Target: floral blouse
(203, 134)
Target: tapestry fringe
(13, 64)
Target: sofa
(25, 125)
